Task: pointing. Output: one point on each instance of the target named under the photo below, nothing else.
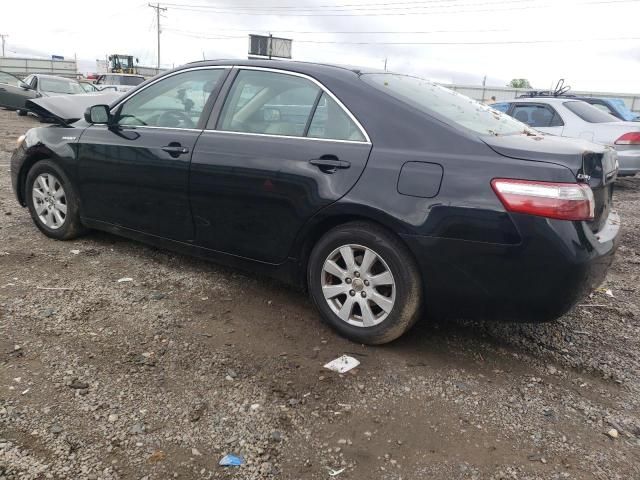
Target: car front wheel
(365, 283)
(52, 201)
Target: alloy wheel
(49, 200)
(358, 285)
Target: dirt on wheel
(122, 361)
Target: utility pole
(158, 9)
(3, 35)
(385, 64)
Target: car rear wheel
(365, 283)
(52, 201)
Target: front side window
(454, 108)
(537, 116)
(176, 101)
(330, 121)
(589, 113)
(268, 103)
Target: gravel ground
(160, 376)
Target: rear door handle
(329, 163)
(175, 149)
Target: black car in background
(384, 195)
(14, 93)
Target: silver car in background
(569, 117)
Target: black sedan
(384, 195)
(15, 93)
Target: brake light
(631, 138)
(564, 201)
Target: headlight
(20, 140)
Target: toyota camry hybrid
(387, 197)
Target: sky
(592, 44)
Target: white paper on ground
(342, 364)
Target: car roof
(546, 99)
(123, 74)
(46, 75)
(294, 66)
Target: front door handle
(175, 149)
(329, 163)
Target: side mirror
(98, 114)
(26, 86)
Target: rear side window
(268, 103)
(537, 116)
(8, 79)
(330, 121)
(589, 113)
(273, 103)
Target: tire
(49, 179)
(385, 311)
(21, 113)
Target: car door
(281, 148)
(13, 92)
(134, 173)
(540, 116)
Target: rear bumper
(556, 264)
(629, 160)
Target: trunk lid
(590, 163)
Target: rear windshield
(589, 113)
(454, 107)
(60, 85)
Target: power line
(158, 9)
(266, 11)
(329, 32)
(490, 42)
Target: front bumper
(554, 266)
(17, 160)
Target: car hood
(66, 109)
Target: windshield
(589, 113)
(454, 107)
(622, 108)
(59, 85)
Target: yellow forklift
(119, 63)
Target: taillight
(631, 138)
(564, 201)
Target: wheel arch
(29, 162)
(329, 219)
